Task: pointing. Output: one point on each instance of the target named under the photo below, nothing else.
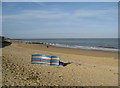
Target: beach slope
(82, 67)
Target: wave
(102, 48)
(88, 47)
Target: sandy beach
(83, 67)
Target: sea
(104, 44)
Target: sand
(0, 67)
(83, 67)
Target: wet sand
(83, 67)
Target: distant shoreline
(76, 51)
(100, 48)
(59, 38)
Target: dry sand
(86, 68)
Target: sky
(60, 19)
(0, 19)
(60, 0)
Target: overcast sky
(60, 19)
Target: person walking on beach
(47, 46)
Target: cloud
(60, 0)
(36, 14)
(56, 17)
(106, 14)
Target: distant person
(47, 46)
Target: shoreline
(111, 49)
(99, 53)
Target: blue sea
(104, 44)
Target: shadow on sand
(4, 44)
(65, 64)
